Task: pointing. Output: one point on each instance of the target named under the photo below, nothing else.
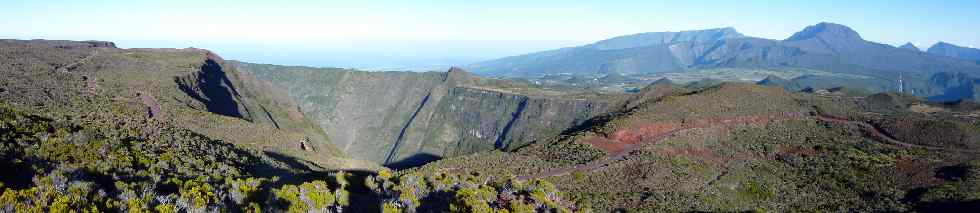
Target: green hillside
(738, 147)
(88, 127)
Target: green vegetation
(97, 129)
(85, 168)
(452, 192)
(794, 163)
(63, 165)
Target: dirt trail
(886, 137)
(627, 146)
(631, 143)
(75, 64)
(92, 85)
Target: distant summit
(614, 77)
(826, 31)
(776, 81)
(661, 38)
(662, 81)
(630, 54)
(910, 46)
(772, 80)
(825, 47)
(955, 51)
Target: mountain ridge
(826, 30)
(955, 51)
(826, 47)
(910, 46)
(661, 38)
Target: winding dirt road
(621, 152)
(880, 134)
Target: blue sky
(393, 34)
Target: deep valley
(692, 121)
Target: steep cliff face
(403, 119)
(461, 120)
(212, 90)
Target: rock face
(213, 91)
(403, 119)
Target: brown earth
(621, 143)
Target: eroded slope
(739, 147)
(402, 119)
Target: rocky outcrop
(213, 91)
(402, 119)
(106, 44)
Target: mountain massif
(825, 47)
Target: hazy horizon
(420, 35)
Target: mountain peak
(662, 81)
(955, 51)
(943, 43)
(456, 74)
(909, 46)
(826, 30)
(730, 31)
(456, 69)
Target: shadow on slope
(415, 160)
(211, 87)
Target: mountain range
(826, 47)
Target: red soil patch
(651, 132)
(153, 109)
(636, 135)
(619, 144)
